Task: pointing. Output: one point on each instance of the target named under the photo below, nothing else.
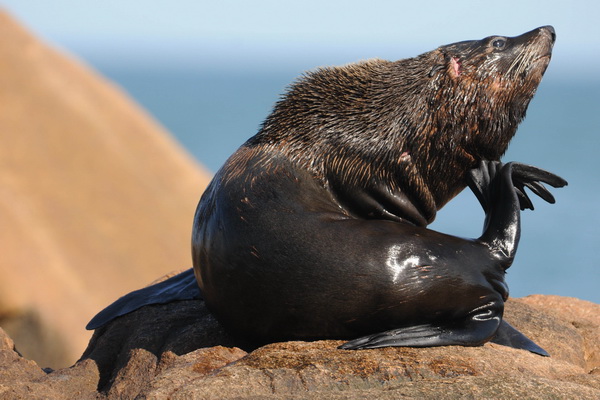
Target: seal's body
(316, 227)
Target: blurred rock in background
(96, 199)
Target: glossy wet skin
(315, 227)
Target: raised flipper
(182, 286)
(475, 330)
(509, 336)
(523, 176)
(531, 177)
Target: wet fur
(412, 125)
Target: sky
(272, 33)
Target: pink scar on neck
(455, 65)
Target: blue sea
(212, 113)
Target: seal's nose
(550, 30)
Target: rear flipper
(509, 336)
(445, 335)
(473, 331)
(182, 286)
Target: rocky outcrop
(178, 351)
(95, 197)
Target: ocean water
(212, 113)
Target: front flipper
(182, 286)
(475, 330)
(509, 336)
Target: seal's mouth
(541, 62)
(546, 56)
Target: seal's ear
(435, 69)
(439, 62)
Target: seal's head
(501, 57)
(492, 81)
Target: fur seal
(316, 227)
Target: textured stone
(179, 351)
(581, 315)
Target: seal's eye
(499, 43)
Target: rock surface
(95, 197)
(179, 351)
